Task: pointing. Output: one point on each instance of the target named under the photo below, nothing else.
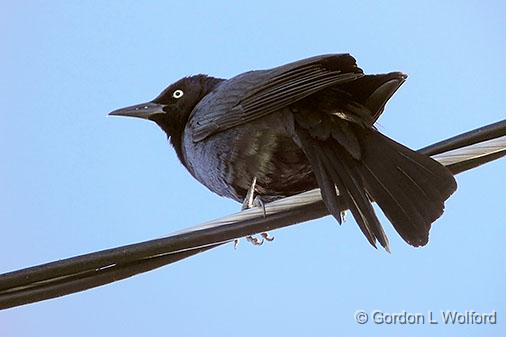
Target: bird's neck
(177, 143)
(178, 124)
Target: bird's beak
(144, 110)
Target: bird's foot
(254, 240)
(266, 236)
(258, 202)
(251, 201)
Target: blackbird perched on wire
(300, 126)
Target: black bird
(300, 126)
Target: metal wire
(79, 273)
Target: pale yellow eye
(178, 93)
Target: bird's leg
(250, 196)
(251, 201)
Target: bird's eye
(178, 93)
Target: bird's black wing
(255, 94)
(346, 153)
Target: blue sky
(73, 180)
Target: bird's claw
(258, 202)
(266, 236)
(254, 240)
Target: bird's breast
(228, 161)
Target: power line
(54, 279)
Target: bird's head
(171, 109)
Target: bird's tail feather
(409, 187)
